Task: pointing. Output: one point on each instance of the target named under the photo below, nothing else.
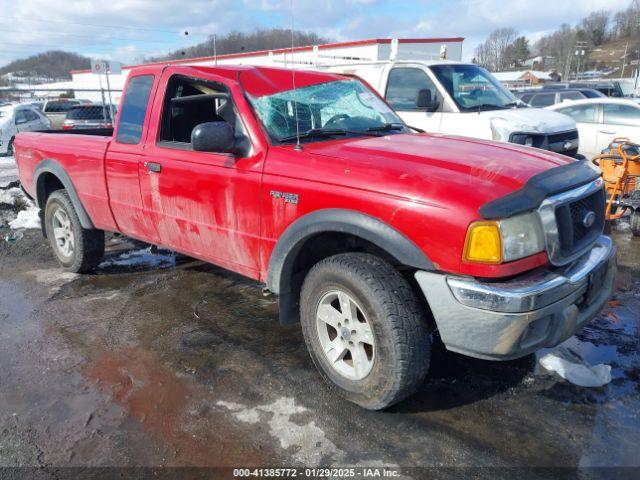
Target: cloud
(130, 29)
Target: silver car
(19, 118)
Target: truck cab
(455, 98)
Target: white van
(458, 98)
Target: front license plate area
(596, 282)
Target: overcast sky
(126, 30)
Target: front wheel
(365, 329)
(77, 249)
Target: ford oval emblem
(589, 219)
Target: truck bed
(80, 154)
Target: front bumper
(510, 319)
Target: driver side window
(188, 103)
(404, 85)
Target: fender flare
(280, 278)
(54, 167)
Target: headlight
(504, 240)
(522, 139)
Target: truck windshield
(344, 107)
(472, 88)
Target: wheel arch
(327, 232)
(48, 176)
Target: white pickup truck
(457, 98)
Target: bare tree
(560, 46)
(596, 27)
(493, 53)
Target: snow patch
(11, 196)
(29, 218)
(575, 369)
(311, 444)
(622, 225)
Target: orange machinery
(620, 165)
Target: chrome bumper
(505, 320)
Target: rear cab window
(134, 109)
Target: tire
(77, 249)
(397, 359)
(10, 150)
(635, 223)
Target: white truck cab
(456, 98)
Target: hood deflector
(530, 196)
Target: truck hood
(450, 172)
(526, 120)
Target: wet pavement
(162, 360)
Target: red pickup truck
(372, 235)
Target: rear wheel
(365, 329)
(77, 249)
(635, 222)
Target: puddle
(148, 258)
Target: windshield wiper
(387, 127)
(488, 106)
(315, 132)
(327, 132)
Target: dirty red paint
(218, 208)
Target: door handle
(153, 167)
(606, 132)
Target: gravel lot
(161, 360)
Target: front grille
(574, 234)
(560, 142)
(567, 233)
(566, 143)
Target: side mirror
(425, 101)
(20, 121)
(213, 137)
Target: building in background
(299, 57)
(526, 78)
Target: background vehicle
(463, 99)
(601, 120)
(88, 116)
(37, 105)
(56, 110)
(544, 97)
(371, 236)
(608, 89)
(18, 118)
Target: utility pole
(580, 52)
(624, 60)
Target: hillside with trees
(610, 40)
(54, 65)
(235, 42)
